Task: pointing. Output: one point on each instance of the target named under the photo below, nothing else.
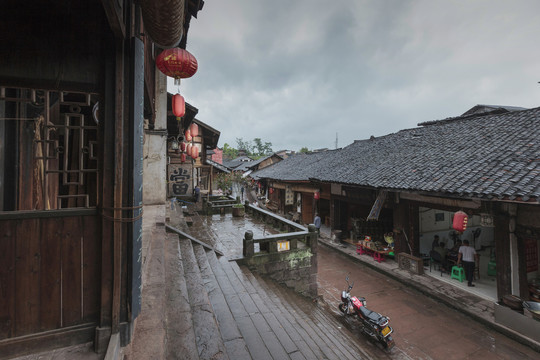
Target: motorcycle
(373, 324)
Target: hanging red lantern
(194, 128)
(183, 146)
(188, 149)
(194, 152)
(271, 190)
(177, 63)
(183, 157)
(316, 195)
(178, 105)
(188, 136)
(460, 221)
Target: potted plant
(238, 210)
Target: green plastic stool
(492, 268)
(458, 273)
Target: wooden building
(184, 172)
(485, 163)
(77, 82)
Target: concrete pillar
(248, 248)
(155, 149)
(313, 235)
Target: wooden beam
(114, 11)
(118, 186)
(458, 203)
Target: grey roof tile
(490, 156)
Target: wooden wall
(49, 274)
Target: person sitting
(442, 250)
(453, 253)
(435, 242)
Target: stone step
(309, 343)
(181, 342)
(287, 321)
(292, 341)
(232, 338)
(250, 322)
(209, 341)
(314, 318)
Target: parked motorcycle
(374, 324)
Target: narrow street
(423, 328)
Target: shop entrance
(435, 222)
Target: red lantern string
(460, 221)
(177, 63)
(178, 105)
(188, 136)
(194, 128)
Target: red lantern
(271, 190)
(183, 146)
(178, 105)
(188, 136)
(316, 195)
(194, 128)
(177, 63)
(194, 152)
(188, 149)
(460, 221)
(183, 157)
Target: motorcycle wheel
(388, 342)
(343, 308)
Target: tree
(229, 152)
(262, 149)
(304, 150)
(231, 182)
(244, 145)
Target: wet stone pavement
(423, 327)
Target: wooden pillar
(502, 254)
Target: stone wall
(295, 268)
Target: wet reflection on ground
(226, 233)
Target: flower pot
(238, 211)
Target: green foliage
(226, 181)
(304, 150)
(229, 152)
(255, 149)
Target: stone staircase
(238, 315)
(212, 308)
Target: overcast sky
(295, 73)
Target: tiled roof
(490, 156)
(294, 168)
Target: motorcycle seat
(370, 315)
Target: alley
(423, 328)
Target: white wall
(155, 149)
(431, 225)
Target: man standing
(468, 255)
(317, 223)
(197, 192)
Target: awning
(377, 206)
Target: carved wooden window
(48, 149)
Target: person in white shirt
(468, 256)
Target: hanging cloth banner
(377, 206)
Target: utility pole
(336, 141)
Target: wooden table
(378, 255)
